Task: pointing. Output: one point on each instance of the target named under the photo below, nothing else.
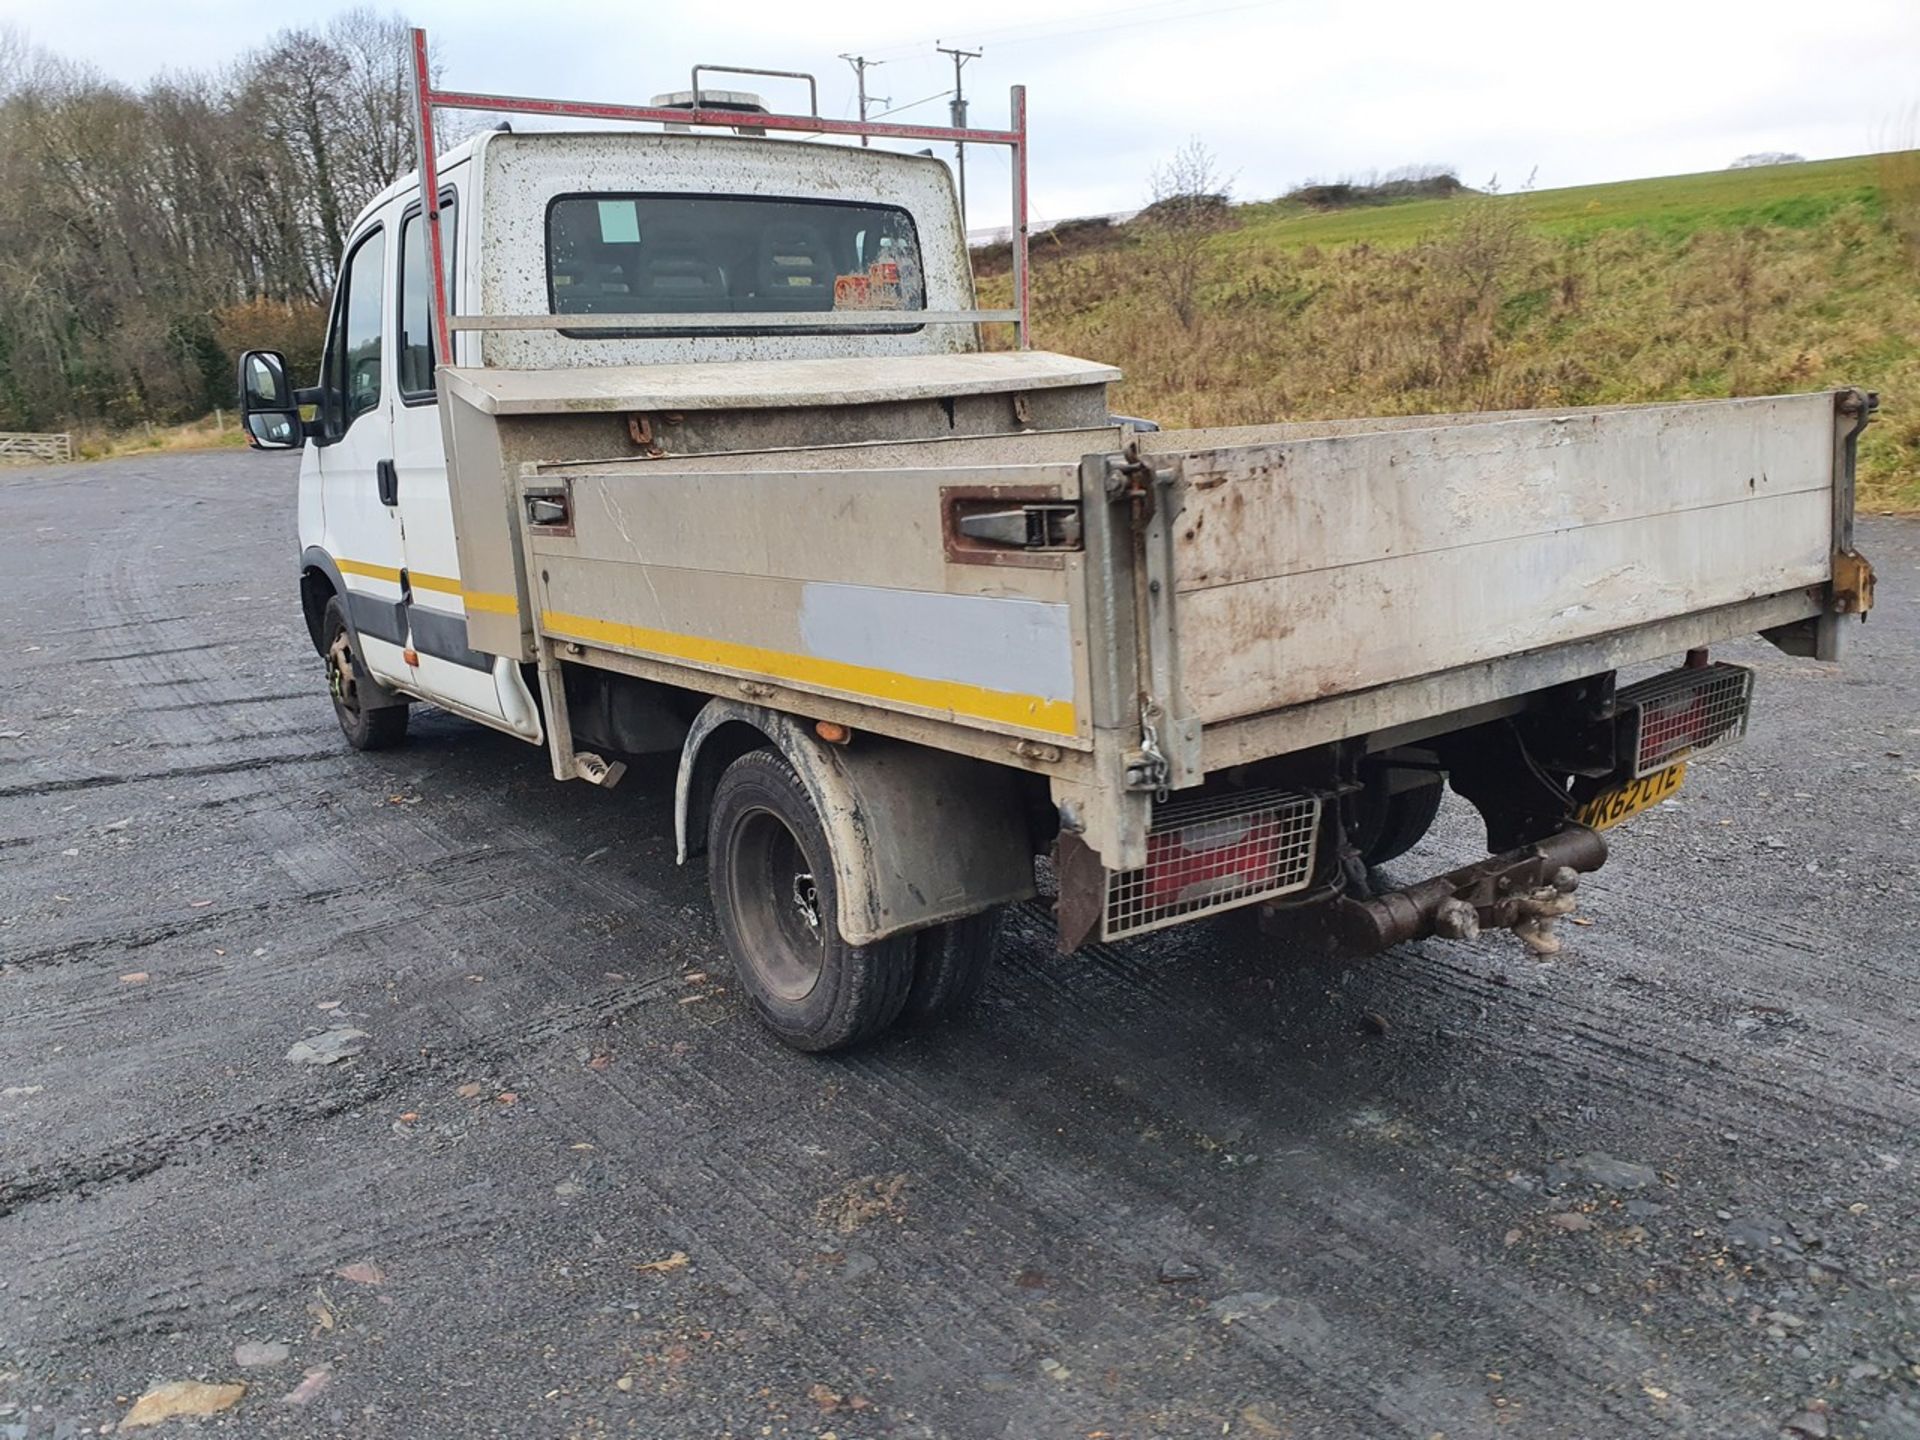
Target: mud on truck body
(687, 442)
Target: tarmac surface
(1666, 1184)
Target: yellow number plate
(1622, 801)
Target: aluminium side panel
(1324, 566)
(835, 582)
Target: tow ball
(1523, 890)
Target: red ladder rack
(445, 324)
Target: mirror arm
(316, 396)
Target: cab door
(445, 667)
(355, 459)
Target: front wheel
(377, 727)
(771, 874)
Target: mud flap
(918, 836)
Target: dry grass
(1516, 302)
(99, 443)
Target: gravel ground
(1665, 1184)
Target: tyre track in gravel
(1377, 1239)
(1057, 1148)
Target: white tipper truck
(687, 441)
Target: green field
(1675, 205)
(1734, 282)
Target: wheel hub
(341, 683)
(784, 931)
(806, 899)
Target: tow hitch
(1524, 890)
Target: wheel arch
(319, 582)
(917, 836)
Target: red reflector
(1671, 725)
(1237, 852)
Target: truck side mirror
(268, 410)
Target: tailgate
(1313, 567)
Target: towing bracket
(1523, 890)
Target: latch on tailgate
(549, 509)
(1025, 527)
(1008, 525)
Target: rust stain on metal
(1852, 583)
(640, 429)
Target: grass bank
(1738, 282)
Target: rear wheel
(771, 875)
(950, 964)
(1394, 824)
(376, 727)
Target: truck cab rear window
(612, 254)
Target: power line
(913, 104)
(1137, 24)
(1056, 27)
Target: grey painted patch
(1019, 647)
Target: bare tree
(146, 232)
(1190, 199)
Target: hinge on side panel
(1148, 767)
(1169, 753)
(1133, 480)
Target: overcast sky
(1281, 90)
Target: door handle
(389, 482)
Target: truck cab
(587, 224)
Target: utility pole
(958, 110)
(861, 65)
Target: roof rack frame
(426, 98)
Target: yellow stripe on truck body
(888, 687)
(833, 582)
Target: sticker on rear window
(875, 288)
(619, 222)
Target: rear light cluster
(1214, 852)
(1686, 712)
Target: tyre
(950, 964)
(1396, 823)
(773, 894)
(378, 727)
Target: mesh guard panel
(1687, 712)
(1209, 853)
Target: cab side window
(353, 350)
(415, 357)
